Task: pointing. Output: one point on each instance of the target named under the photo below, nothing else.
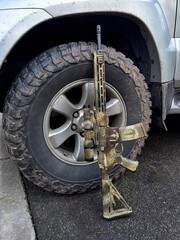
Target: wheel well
(124, 33)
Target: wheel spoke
(87, 95)
(113, 107)
(58, 136)
(64, 106)
(79, 148)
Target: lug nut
(82, 134)
(74, 127)
(75, 114)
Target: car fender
(149, 12)
(14, 24)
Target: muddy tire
(34, 108)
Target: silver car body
(18, 17)
(161, 18)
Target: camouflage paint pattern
(99, 133)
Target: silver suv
(46, 76)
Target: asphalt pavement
(153, 192)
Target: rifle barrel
(98, 29)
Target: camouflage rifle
(98, 133)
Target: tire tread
(27, 84)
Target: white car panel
(148, 11)
(178, 21)
(169, 9)
(14, 24)
(177, 72)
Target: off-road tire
(25, 90)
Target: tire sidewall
(43, 159)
